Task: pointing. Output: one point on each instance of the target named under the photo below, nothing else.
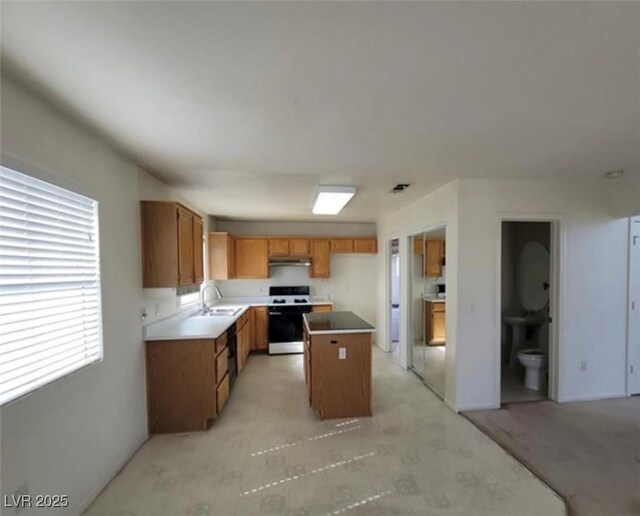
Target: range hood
(290, 262)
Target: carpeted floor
(589, 452)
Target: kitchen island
(337, 364)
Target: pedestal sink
(518, 322)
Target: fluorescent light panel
(331, 199)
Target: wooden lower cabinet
(185, 379)
(261, 334)
(435, 323)
(222, 393)
(338, 387)
(321, 308)
(243, 340)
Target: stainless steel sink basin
(230, 311)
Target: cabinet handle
(334, 342)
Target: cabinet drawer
(222, 393)
(221, 343)
(222, 366)
(321, 308)
(438, 307)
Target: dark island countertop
(320, 323)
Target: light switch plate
(342, 353)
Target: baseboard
(596, 397)
(114, 472)
(487, 406)
(381, 348)
(450, 405)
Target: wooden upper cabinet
(342, 245)
(278, 247)
(299, 247)
(169, 254)
(365, 245)
(320, 258)
(185, 247)
(198, 250)
(251, 258)
(221, 256)
(354, 245)
(434, 259)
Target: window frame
(19, 166)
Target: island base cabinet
(339, 387)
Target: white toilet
(535, 362)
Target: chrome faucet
(203, 306)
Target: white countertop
(190, 325)
(434, 299)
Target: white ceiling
(245, 107)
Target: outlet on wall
(156, 309)
(583, 367)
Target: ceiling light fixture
(614, 174)
(331, 199)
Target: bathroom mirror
(532, 276)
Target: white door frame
(556, 256)
(387, 345)
(633, 311)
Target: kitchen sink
(230, 311)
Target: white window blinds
(50, 314)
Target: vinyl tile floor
(269, 454)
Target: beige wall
(72, 436)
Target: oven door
(285, 329)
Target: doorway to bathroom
(526, 310)
(427, 311)
(394, 297)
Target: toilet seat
(533, 352)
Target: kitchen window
(50, 310)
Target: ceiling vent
(400, 187)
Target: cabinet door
(439, 327)
(299, 247)
(278, 247)
(262, 327)
(240, 339)
(251, 258)
(320, 258)
(341, 245)
(221, 256)
(433, 260)
(198, 244)
(159, 225)
(365, 245)
(185, 247)
(252, 328)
